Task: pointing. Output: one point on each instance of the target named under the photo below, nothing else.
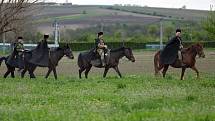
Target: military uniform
(16, 58)
(101, 51)
(19, 48)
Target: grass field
(133, 98)
(138, 96)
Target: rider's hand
(101, 46)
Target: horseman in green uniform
(16, 58)
(101, 48)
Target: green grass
(132, 98)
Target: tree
(13, 13)
(169, 31)
(153, 30)
(209, 24)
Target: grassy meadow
(132, 98)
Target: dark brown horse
(84, 60)
(55, 56)
(189, 59)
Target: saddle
(96, 60)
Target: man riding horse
(40, 55)
(16, 58)
(172, 50)
(101, 48)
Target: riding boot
(103, 59)
(102, 62)
(180, 57)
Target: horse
(54, 57)
(11, 67)
(189, 59)
(85, 60)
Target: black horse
(10, 69)
(54, 57)
(13, 63)
(85, 60)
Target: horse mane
(192, 47)
(117, 49)
(56, 49)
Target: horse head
(68, 51)
(199, 49)
(129, 54)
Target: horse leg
(196, 70)
(26, 68)
(49, 71)
(23, 72)
(165, 70)
(6, 74)
(105, 72)
(31, 72)
(182, 73)
(87, 71)
(117, 70)
(55, 73)
(12, 73)
(80, 71)
(157, 65)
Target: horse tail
(2, 59)
(80, 60)
(157, 66)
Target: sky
(190, 4)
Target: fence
(133, 45)
(86, 46)
(7, 47)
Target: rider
(19, 47)
(17, 54)
(40, 55)
(173, 50)
(101, 48)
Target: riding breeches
(101, 53)
(179, 55)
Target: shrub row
(134, 45)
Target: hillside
(84, 16)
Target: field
(73, 17)
(137, 96)
(186, 14)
